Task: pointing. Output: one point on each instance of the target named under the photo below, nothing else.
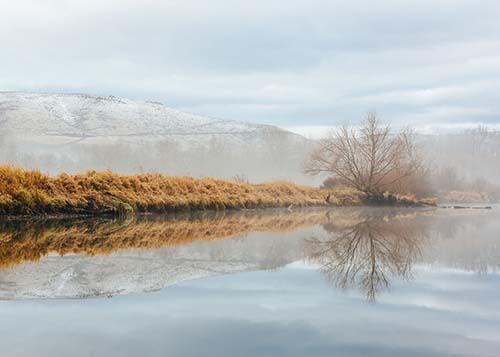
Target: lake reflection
(430, 277)
(353, 248)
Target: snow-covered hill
(56, 118)
(78, 132)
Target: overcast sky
(289, 63)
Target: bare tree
(369, 158)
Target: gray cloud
(289, 63)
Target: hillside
(52, 118)
(76, 132)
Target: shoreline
(30, 194)
(197, 212)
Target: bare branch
(369, 158)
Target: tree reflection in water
(368, 250)
(363, 247)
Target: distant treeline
(277, 155)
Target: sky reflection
(262, 293)
(286, 312)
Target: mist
(277, 156)
(466, 163)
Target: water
(348, 282)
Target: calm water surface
(345, 282)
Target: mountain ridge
(72, 133)
(93, 116)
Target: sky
(303, 65)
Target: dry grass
(24, 192)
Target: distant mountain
(70, 117)
(77, 132)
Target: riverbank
(31, 193)
(24, 192)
